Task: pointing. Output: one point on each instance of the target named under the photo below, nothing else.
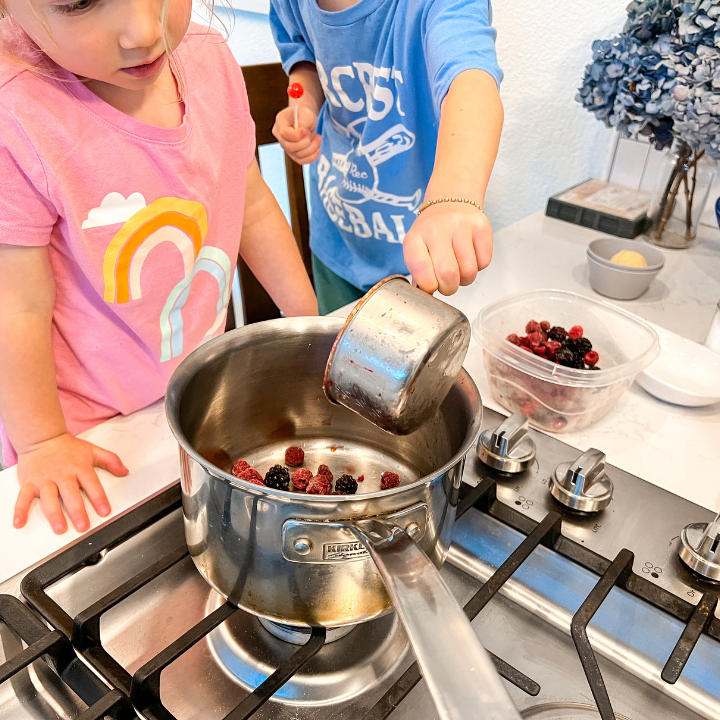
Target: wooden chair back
(267, 92)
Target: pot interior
(255, 391)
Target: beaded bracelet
(428, 203)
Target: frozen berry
(529, 349)
(524, 342)
(544, 325)
(346, 485)
(535, 338)
(294, 456)
(541, 350)
(239, 466)
(575, 331)
(361, 478)
(251, 475)
(528, 409)
(513, 338)
(557, 333)
(301, 478)
(552, 346)
(565, 357)
(278, 477)
(389, 480)
(579, 346)
(591, 358)
(319, 485)
(325, 470)
(532, 327)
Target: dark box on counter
(604, 206)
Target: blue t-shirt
(385, 67)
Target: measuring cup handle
(461, 678)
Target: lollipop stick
(296, 115)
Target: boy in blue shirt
(401, 114)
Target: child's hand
(58, 468)
(303, 144)
(446, 247)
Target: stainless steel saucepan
(328, 560)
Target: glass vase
(679, 196)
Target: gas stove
(569, 568)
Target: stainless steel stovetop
(137, 611)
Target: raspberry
(278, 477)
(389, 480)
(591, 358)
(565, 357)
(575, 331)
(552, 347)
(541, 351)
(319, 485)
(524, 342)
(579, 346)
(251, 475)
(545, 325)
(529, 349)
(532, 327)
(535, 338)
(325, 470)
(528, 409)
(239, 466)
(557, 333)
(513, 338)
(361, 478)
(301, 478)
(294, 456)
(346, 485)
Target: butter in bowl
(622, 269)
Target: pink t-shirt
(143, 223)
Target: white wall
(549, 142)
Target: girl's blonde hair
(42, 68)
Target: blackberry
(556, 333)
(346, 485)
(278, 477)
(565, 357)
(579, 346)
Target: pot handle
(461, 678)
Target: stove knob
(700, 548)
(508, 448)
(583, 484)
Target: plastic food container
(553, 397)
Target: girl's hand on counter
(301, 144)
(60, 468)
(448, 244)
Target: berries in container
(562, 394)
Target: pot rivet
(412, 529)
(303, 546)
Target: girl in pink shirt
(127, 177)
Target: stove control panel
(637, 515)
(507, 448)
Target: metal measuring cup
(397, 356)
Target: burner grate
(53, 647)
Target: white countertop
(675, 448)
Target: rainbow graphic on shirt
(183, 224)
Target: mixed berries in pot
(569, 348)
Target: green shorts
(332, 291)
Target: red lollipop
(296, 91)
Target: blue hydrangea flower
(661, 77)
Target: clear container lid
(626, 343)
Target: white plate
(685, 373)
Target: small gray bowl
(621, 282)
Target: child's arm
(269, 248)
(303, 144)
(51, 462)
(450, 242)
